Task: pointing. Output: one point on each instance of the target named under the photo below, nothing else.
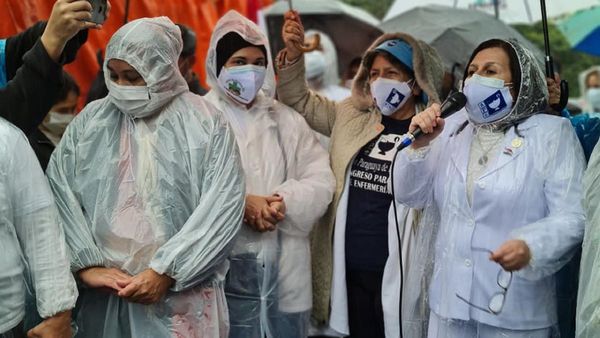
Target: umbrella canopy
(351, 29)
(454, 32)
(582, 30)
(511, 11)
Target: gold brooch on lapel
(517, 142)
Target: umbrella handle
(310, 45)
(564, 97)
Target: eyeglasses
(496, 303)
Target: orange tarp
(200, 15)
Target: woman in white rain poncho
(322, 69)
(150, 190)
(288, 182)
(507, 183)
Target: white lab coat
(531, 192)
(411, 232)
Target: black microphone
(453, 103)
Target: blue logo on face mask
(395, 98)
(494, 104)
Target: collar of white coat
(510, 149)
(233, 21)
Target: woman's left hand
(147, 287)
(513, 255)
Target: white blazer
(532, 192)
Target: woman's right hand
(430, 123)
(68, 17)
(253, 212)
(100, 277)
(292, 34)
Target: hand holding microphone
(428, 124)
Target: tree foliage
(571, 63)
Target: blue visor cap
(399, 49)
(403, 52)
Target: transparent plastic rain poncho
(268, 286)
(164, 192)
(330, 77)
(588, 299)
(34, 259)
(531, 190)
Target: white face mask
(57, 123)
(315, 64)
(593, 98)
(242, 83)
(488, 99)
(390, 95)
(131, 100)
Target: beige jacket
(351, 124)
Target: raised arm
(292, 89)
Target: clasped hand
(147, 287)
(262, 213)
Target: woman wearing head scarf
(288, 184)
(150, 190)
(507, 183)
(355, 247)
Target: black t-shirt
(369, 199)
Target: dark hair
(513, 59)
(595, 72)
(189, 41)
(229, 44)
(391, 59)
(353, 63)
(69, 86)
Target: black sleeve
(18, 45)
(27, 98)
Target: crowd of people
(280, 206)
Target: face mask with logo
(131, 100)
(242, 83)
(593, 98)
(488, 99)
(390, 95)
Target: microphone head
(455, 102)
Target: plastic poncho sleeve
(39, 233)
(61, 174)
(552, 239)
(204, 241)
(308, 194)
(292, 90)
(588, 298)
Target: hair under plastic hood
(233, 21)
(152, 46)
